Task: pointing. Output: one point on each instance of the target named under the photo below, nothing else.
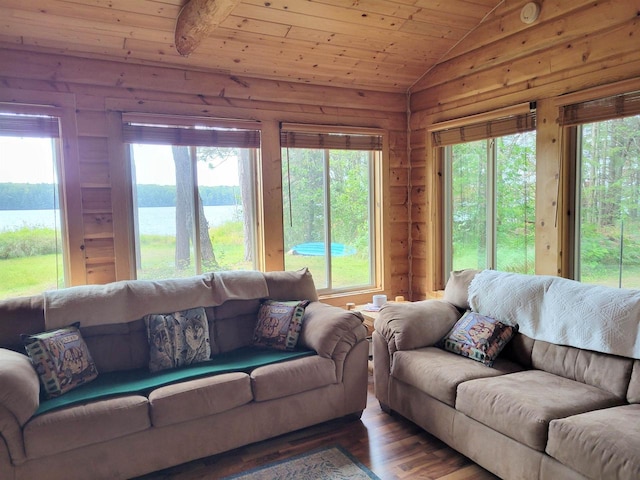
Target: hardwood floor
(392, 447)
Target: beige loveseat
(131, 434)
(545, 409)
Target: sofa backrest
(633, 393)
(618, 375)
(231, 325)
(519, 349)
(21, 315)
(123, 346)
(607, 372)
(456, 291)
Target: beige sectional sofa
(126, 435)
(545, 409)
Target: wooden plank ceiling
(384, 45)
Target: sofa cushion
(438, 373)
(607, 372)
(131, 382)
(61, 358)
(279, 324)
(522, 404)
(478, 337)
(199, 398)
(599, 444)
(80, 425)
(177, 339)
(288, 378)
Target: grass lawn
(346, 271)
(158, 258)
(31, 275)
(25, 276)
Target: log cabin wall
(574, 46)
(92, 93)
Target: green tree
(609, 200)
(347, 174)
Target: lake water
(152, 220)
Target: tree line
(43, 196)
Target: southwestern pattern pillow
(478, 337)
(61, 359)
(279, 324)
(177, 339)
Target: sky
(27, 160)
(154, 165)
(30, 160)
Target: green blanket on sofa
(142, 381)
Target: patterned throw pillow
(478, 337)
(61, 358)
(279, 324)
(177, 339)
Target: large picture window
(607, 230)
(489, 208)
(329, 198)
(193, 196)
(31, 221)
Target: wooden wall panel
(572, 46)
(398, 195)
(550, 214)
(94, 150)
(98, 250)
(101, 273)
(94, 173)
(98, 225)
(103, 89)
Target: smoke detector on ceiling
(530, 12)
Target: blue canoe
(316, 249)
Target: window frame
(618, 100)
(228, 133)
(68, 198)
(313, 138)
(485, 126)
(577, 191)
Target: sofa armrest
(333, 333)
(19, 385)
(325, 327)
(19, 399)
(410, 325)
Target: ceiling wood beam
(197, 20)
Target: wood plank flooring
(392, 447)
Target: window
(607, 229)
(490, 195)
(329, 183)
(193, 196)
(31, 237)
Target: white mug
(379, 300)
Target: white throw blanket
(562, 311)
(124, 301)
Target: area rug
(327, 463)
